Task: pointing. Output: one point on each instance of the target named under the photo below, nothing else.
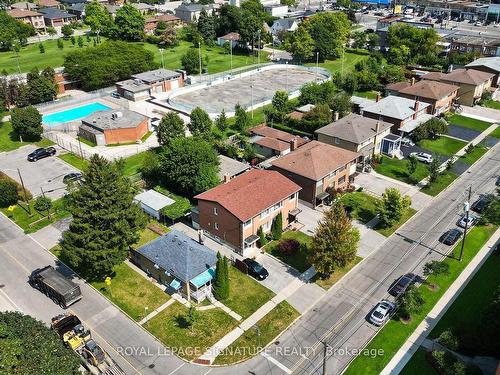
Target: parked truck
(56, 286)
(95, 360)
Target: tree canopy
(171, 126)
(129, 24)
(27, 123)
(12, 31)
(98, 17)
(408, 44)
(200, 122)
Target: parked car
(381, 312)
(451, 236)
(407, 142)
(255, 269)
(470, 223)
(423, 157)
(115, 95)
(481, 204)
(401, 285)
(72, 177)
(478, 23)
(41, 153)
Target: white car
(407, 142)
(472, 220)
(423, 157)
(381, 312)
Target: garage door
(174, 84)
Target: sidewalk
(411, 345)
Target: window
(266, 227)
(265, 213)
(216, 226)
(341, 180)
(215, 211)
(291, 197)
(247, 224)
(337, 140)
(277, 206)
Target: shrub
(448, 339)
(20, 192)
(469, 148)
(8, 193)
(288, 246)
(43, 204)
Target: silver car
(423, 157)
(472, 220)
(381, 312)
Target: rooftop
(156, 75)
(265, 131)
(48, 3)
(153, 199)
(54, 13)
(492, 63)
(21, 13)
(397, 86)
(179, 255)
(230, 36)
(272, 143)
(230, 167)
(394, 107)
(468, 76)
(315, 160)
(114, 119)
(250, 193)
(430, 89)
(192, 7)
(354, 128)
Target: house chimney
(378, 97)
(335, 116)
(417, 104)
(226, 178)
(293, 144)
(377, 127)
(450, 68)
(412, 81)
(201, 237)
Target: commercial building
(143, 85)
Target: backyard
(270, 326)
(395, 333)
(171, 327)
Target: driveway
(462, 133)
(45, 173)
(408, 150)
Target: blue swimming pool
(73, 114)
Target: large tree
(12, 31)
(129, 24)
(330, 32)
(29, 347)
(191, 61)
(105, 222)
(392, 207)
(200, 122)
(300, 44)
(229, 19)
(189, 166)
(206, 27)
(98, 17)
(27, 123)
(407, 43)
(171, 126)
(335, 241)
(221, 280)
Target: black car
(481, 204)
(401, 285)
(41, 153)
(452, 236)
(72, 177)
(255, 269)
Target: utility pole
(24, 191)
(325, 347)
(466, 209)
(199, 57)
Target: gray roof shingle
(394, 107)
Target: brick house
(151, 23)
(439, 95)
(35, 19)
(142, 85)
(270, 142)
(55, 17)
(488, 65)
(233, 212)
(317, 167)
(114, 126)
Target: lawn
(327, 283)
(474, 156)
(37, 220)
(390, 230)
(495, 133)
(443, 145)
(132, 292)
(270, 326)
(418, 365)
(490, 104)
(398, 170)
(74, 160)
(170, 327)
(147, 235)
(350, 59)
(299, 259)
(467, 122)
(10, 141)
(362, 206)
(395, 333)
(366, 94)
(246, 295)
(445, 178)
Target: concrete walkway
(155, 312)
(481, 113)
(405, 353)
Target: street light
(161, 54)
(317, 64)
(231, 53)
(286, 82)
(251, 96)
(199, 57)
(466, 209)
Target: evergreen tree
(277, 227)
(41, 48)
(221, 121)
(60, 44)
(80, 41)
(171, 126)
(105, 223)
(221, 281)
(242, 120)
(335, 241)
(433, 168)
(200, 122)
(206, 27)
(262, 237)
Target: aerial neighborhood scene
(263, 187)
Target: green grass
(133, 164)
(418, 365)
(495, 133)
(270, 326)
(351, 58)
(9, 140)
(490, 104)
(74, 160)
(398, 170)
(36, 220)
(395, 333)
(467, 122)
(298, 260)
(443, 145)
(474, 156)
(147, 235)
(146, 136)
(363, 207)
(86, 141)
(170, 328)
(328, 282)
(366, 94)
(446, 178)
(247, 295)
(132, 292)
(390, 230)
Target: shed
(152, 202)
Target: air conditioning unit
(137, 81)
(116, 115)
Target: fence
(49, 106)
(70, 144)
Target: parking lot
(45, 174)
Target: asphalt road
(339, 318)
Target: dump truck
(74, 335)
(56, 286)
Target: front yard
(171, 328)
(298, 260)
(246, 294)
(445, 178)
(395, 333)
(442, 145)
(468, 122)
(398, 169)
(328, 282)
(270, 326)
(475, 155)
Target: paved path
(420, 334)
(155, 312)
(481, 113)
